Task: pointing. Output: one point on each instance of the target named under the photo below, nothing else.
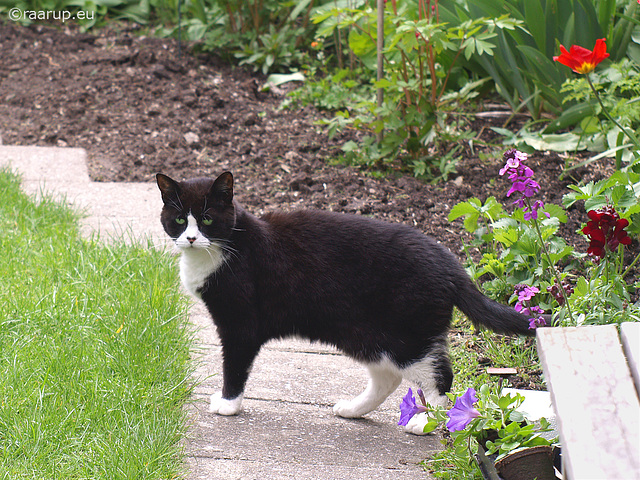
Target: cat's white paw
(417, 423)
(222, 406)
(347, 409)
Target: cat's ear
(222, 188)
(168, 188)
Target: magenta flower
(523, 305)
(536, 322)
(522, 182)
(525, 292)
(462, 412)
(408, 407)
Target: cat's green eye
(180, 221)
(207, 221)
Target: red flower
(581, 60)
(606, 229)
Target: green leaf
(516, 416)
(582, 287)
(507, 237)
(470, 210)
(556, 211)
(571, 116)
(506, 400)
(535, 20)
(555, 142)
(276, 79)
(431, 425)
(595, 202)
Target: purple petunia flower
(408, 407)
(462, 412)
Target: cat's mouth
(193, 243)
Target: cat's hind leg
(434, 376)
(384, 378)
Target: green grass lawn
(94, 350)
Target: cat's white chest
(197, 265)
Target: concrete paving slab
(287, 429)
(294, 435)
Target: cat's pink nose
(191, 239)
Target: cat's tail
(483, 311)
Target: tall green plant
(522, 66)
(422, 83)
(267, 35)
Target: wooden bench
(592, 375)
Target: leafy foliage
(422, 84)
(522, 66)
(515, 252)
(495, 423)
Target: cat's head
(198, 212)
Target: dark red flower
(605, 229)
(581, 60)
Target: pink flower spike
(516, 187)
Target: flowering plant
(581, 60)
(418, 95)
(584, 61)
(493, 421)
(524, 248)
(524, 306)
(522, 251)
(605, 231)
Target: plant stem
(635, 260)
(627, 132)
(380, 59)
(551, 266)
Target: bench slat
(597, 408)
(630, 335)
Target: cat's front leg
(224, 406)
(238, 357)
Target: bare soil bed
(138, 108)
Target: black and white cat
(382, 293)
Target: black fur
(370, 288)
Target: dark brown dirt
(138, 108)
